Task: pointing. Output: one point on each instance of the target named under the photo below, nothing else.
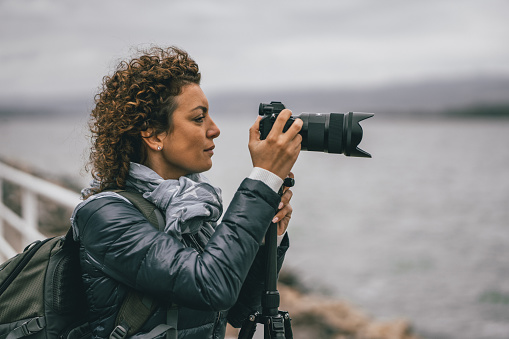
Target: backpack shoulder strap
(137, 308)
(148, 209)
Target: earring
(159, 148)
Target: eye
(199, 119)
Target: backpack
(42, 294)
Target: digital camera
(322, 132)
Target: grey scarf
(190, 204)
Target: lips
(210, 149)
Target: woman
(152, 132)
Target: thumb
(254, 131)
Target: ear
(152, 140)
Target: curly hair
(139, 95)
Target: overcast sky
(63, 47)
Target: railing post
(26, 224)
(29, 210)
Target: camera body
(338, 133)
(270, 113)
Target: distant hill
(429, 97)
(76, 105)
(473, 96)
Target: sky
(50, 48)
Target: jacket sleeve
(121, 243)
(249, 300)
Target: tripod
(276, 323)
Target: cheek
(178, 141)
(185, 144)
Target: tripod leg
(249, 327)
(288, 324)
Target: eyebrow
(203, 108)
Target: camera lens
(333, 133)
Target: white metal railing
(27, 223)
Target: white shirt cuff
(280, 239)
(268, 178)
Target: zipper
(197, 245)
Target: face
(188, 146)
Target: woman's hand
(284, 214)
(279, 151)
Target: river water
(420, 231)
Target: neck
(158, 165)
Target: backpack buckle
(28, 327)
(33, 326)
(118, 332)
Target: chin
(203, 168)
(208, 167)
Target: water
(418, 232)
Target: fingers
(280, 123)
(285, 199)
(284, 207)
(285, 212)
(295, 127)
(282, 226)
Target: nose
(213, 131)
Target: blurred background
(418, 232)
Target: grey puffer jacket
(120, 249)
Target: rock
(315, 316)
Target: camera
(338, 133)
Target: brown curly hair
(139, 95)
